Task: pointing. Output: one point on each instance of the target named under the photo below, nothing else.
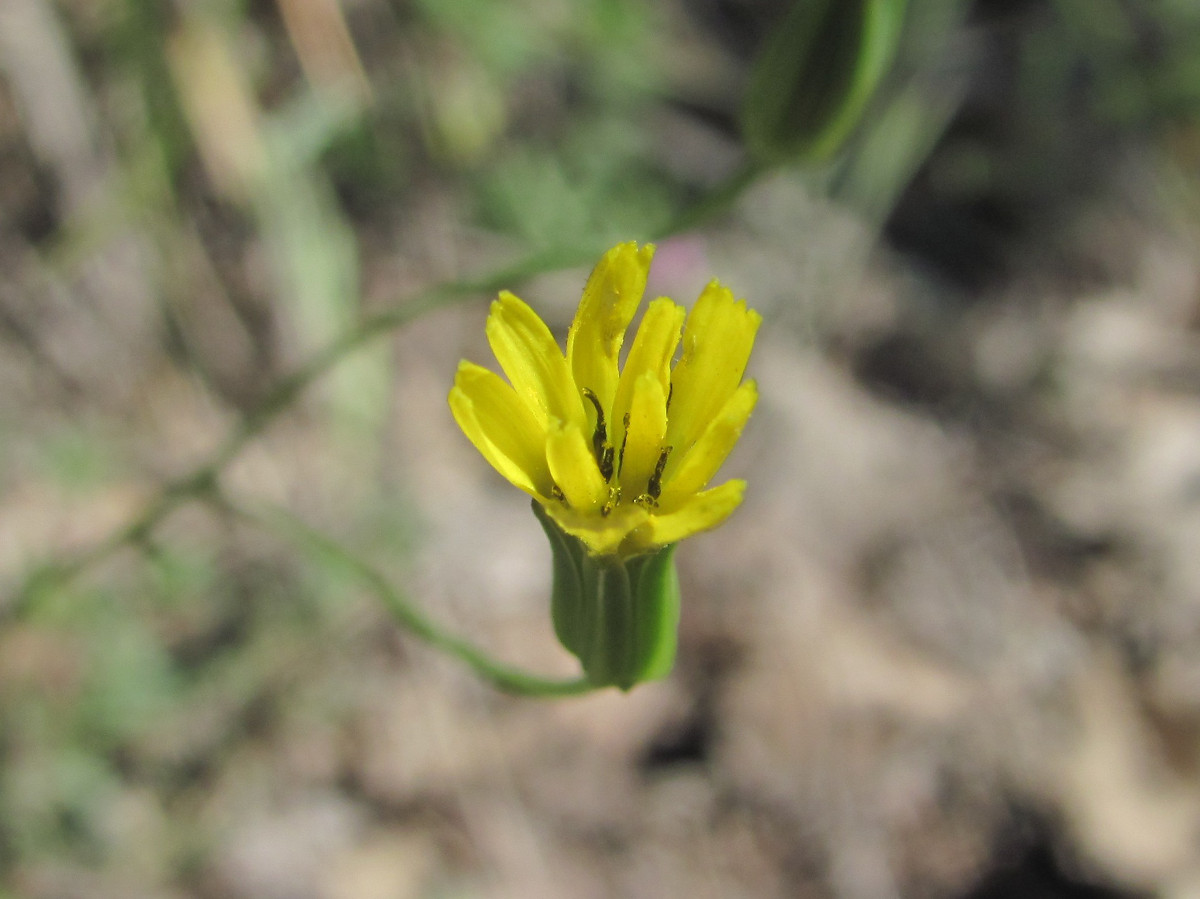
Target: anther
(624, 440)
(654, 485)
(606, 462)
(601, 448)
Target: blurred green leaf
(505, 36)
(53, 797)
(619, 59)
(78, 459)
(886, 157)
(595, 185)
(815, 76)
(129, 680)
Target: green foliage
(596, 187)
(1143, 61)
(77, 458)
(103, 690)
(505, 37)
(136, 44)
(584, 174)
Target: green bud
(619, 617)
(815, 75)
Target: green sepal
(619, 617)
(813, 79)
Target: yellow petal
(500, 426)
(703, 511)
(717, 340)
(652, 349)
(610, 299)
(642, 444)
(690, 472)
(574, 467)
(532, 360)
(603, 535)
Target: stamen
(606, 462)
(624, 440)
(601, 448)
(654, 485)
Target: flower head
(619, 457)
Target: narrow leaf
(815, 76)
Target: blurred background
(949, 646)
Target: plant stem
(408, 616)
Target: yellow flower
(618, 457)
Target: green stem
(408, 616)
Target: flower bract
(618, 456)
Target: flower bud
(618, 616)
